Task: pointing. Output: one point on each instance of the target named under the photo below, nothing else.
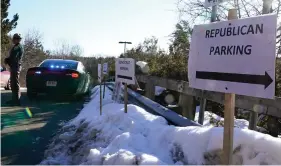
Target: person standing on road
(14, 62)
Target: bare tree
(64, 49)
(33, 49)
(76, 50)
(33, 52)
(195, 12)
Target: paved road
(24, 139)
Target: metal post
(125, 43)
(103, 87)
(267, 6)
(202, 109)
(214, 13)
(125, 87)
(124, 50)
(125, 98)
(100, 88)
(202, 100)
(100, 99)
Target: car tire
(8, 86)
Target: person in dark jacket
(14, 62)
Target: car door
(5, 76)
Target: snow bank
(211, 119)
(142, 138)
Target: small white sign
(105, 68)
(99, 72)
(125, 70)
(209, 3)
(236, 56)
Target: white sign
(125, 70)
(105, 68)
(99, 72)
(236, 56)
(209, 3)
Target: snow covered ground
(211, 119)
(139, 137)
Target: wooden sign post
(104, 71)
(100, 81)
(229, 106)
(229, 109)
(100, 99)
(125, 98)
(104, 86)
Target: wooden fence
(187, 98)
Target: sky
(96, 25)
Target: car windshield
(60, 64)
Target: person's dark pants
(15, 84)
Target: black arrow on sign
(265, 79)
(125, 77)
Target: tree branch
(247, 12)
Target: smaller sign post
(100, 80)
(104, 70)
(99, 73)
(125, 73)
(125, 98)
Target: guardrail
(157, 109)
(187, 94)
